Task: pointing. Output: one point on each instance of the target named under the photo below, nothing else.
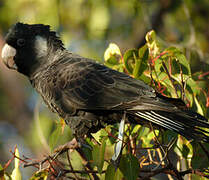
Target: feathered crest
(23, 29)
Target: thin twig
(82, 171)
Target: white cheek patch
(40, 46)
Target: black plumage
(87, 94)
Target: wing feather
(88, 85)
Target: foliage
(174, 62)
(144, 149)
(16, 174)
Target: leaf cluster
(146, 151)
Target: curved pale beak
(7, 54)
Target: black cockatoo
(89, 95)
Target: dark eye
(21, 42)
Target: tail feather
(186, 123)
(161, 121)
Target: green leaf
(41, 175)
(199, 108)
(1, 171)
(136, 128)
(1, 168)
(99, 135)
(184, 62)
(112, 173)
(143, 131)
(4, 175)
(178, 56)
(129, 166)
(98, 155)
(193, 86)
(158, 65)
(54, 137)
(148, 138)
(164, 81)
(198, 177)
(189, 98)
(130, 59)
(112, 61)
(181, 77)
(144, 78)
(141, 63)
(183, 148)
(88, 151)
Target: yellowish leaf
(112, 50)
(16, 174)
